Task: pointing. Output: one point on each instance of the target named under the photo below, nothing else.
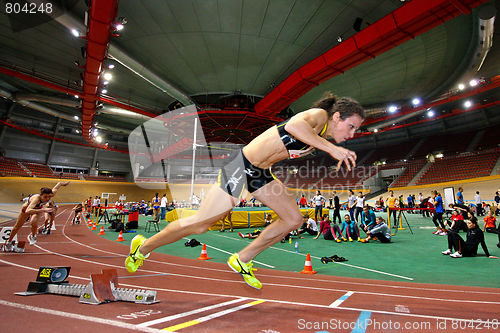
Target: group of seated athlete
(374, 227)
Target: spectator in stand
(303, 202)
(489, 225)
(438, 214)
(319, 201)
(360, 203)
(329, 232)
(460, 196)
(310, 226)
(391, 205)
(479, 204)
(330, 206)
(467, 248)
(457, 222)
(351, 204)
(163, 206)
(336, 208)
(380, 231)
(368, 219)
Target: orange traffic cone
(93, 227)
(120, 237)
(101, 232)
(308, 269)
(203, 255)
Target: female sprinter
(34, 208)
(329, 118)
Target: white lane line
(288, 277)
(287, 286)
(341, 299)
(85, 318)
(340, 263)
(189, 313)
(224, 251)
(266, 299)
(211, 316)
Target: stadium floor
(410, 257)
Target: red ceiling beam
(101, 16)
(410, 20)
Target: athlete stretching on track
(34, 208)
(329, 118)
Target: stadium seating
(39, 170)
(10, 167)
(460, 166)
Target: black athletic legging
(357, 212)
(494, 231)
(393, 212)
(332, 233)
(381, 237)
(438, 217)
(318, 209)
(456, 242)
(336, 213)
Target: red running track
(204, 296)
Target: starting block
(103, 288)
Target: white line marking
(85, 318)
(189, 313)
(287, 277)
(341, 299)
(223, 312)
(268, 284)
(340, 263)
(265, 299)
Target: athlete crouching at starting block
(330, 117)
(35, 210)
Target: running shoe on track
(135, 259)
(32, 239)
(447, 252)
(245, 270)
(350, 239)
(456, 255)
(338, 240)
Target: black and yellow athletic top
(295, 147)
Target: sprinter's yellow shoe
(135, 258)
(245, 269)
